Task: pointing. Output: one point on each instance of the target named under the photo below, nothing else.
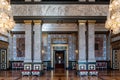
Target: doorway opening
(59, 59)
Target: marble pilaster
(82, 0)
(37, 45)
(28, 45)
(10, 47)
(27, 0)
(82, 45)
(91, 0)
(91, 41)
(28, 41)
(37, 0)
(108, 46)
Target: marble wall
(60, 10)
(14, 56)
(100, 47)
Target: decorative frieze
(60, 10)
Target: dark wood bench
(83, 72)
(93, 72)
(36, 72)
(26, 72)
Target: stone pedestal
(82, 45)
(28, 45)
(37, 63)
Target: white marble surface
(37, 42)
(60, 10)
(28, 43)
(91, 0)
(82, 42)
(37, 0)
(91, 42)
(60, 27)
(82, 0)
(27, 0)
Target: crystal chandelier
(6, 18)
(113, 19)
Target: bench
(26, 72)
(93, 72)
(36, 72)
(83, 72)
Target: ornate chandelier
(113, 19)
(6, 18)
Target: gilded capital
(92, 21)
(37, 21)
(28, 21)
(82, 21)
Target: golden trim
(92, 21)
(82, 21)
(37, 21)
(28, 21)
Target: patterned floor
(59, 75)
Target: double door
(3, 59)
(59, 59)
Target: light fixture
(6, 18)
(113, 19)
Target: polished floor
(60, 75)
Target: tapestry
(20, 45)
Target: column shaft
(82, 45)
(91, 42)
(10, 46)
(28, 43)
(27, 0)
(37, 62)
(82, 0)
(82, 42)
(37, 0)
(37, 42)
(91, 0)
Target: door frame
(53, 49)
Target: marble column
(10, 47)
(82, 0)
(82, 45)
(108, 46)
(91, 44)
(28, 45)
(91, 0)
(37, 45)
(37, 0)
(27, 0)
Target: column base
(82, 65)
(37, 66)
(86, 68)
(27, 65)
